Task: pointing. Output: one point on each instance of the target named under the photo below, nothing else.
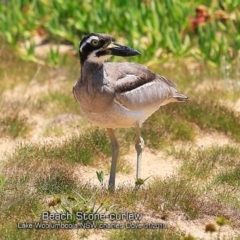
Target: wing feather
(149, 95)
(136, 87)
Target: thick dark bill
(120, 50)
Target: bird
(119, 94)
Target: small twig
(36, 73)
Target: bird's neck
(90, 67)
(91, 72)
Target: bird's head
(97, 48)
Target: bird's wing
(137, 87)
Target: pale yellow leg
(139, 148)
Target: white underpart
(88, 41)
(93, 58)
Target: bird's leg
(139, 147)
(115, 150)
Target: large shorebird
(119, 95)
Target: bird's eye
(95, 42)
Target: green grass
(164, 127)
(203, 163)
(174, 193)
(208, 115)
(10, 232)
(54, 131)
(230, 199)
(143, 234)
(227, 180)
(230, 177)
(83, 149)
(58, 102)
(160, 196)
(14, 125)
(57, 180)
(19, 206)
(179, 121)
(14, 70)
(215, 172)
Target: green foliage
(151, 25)
(100, 176)
(221, 221)
(54, 57)
(85, 204)
(139, 182)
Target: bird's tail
(180, 97)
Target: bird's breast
(92, 99)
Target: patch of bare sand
(23, 92)
(237, 106)
(197, 228)
(43, 46)
(233, 105)
(153, 165)
(6, 146)
(91, 235)
(208, 139)
(208, 85)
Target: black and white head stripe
(97, 48)
(102, 38)
(88, 40)
(91, 47)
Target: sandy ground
(153, 164)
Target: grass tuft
(142, 234)
(174, 194)
(202, 163)
(208, 115)
(164, 127)
(59, 102)
(230, 177)
(57, 180)
(76, 149)
(11, 232)
(14, 125)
